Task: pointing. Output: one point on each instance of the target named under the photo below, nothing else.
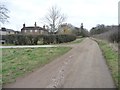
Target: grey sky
(89, 12)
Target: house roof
(10, 30)
(33, 28)
(7, 30)
(77, 28)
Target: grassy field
(17, 62)
(111, 59)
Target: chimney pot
(24, 25)
(35, 24)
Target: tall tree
(54, 18)
(3, 14)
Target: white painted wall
(3, 33)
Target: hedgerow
(33, 39)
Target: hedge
(111, 36)
(48, 39)
(33, 39)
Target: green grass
(111, 59)
(79, 37)
(17, 62)
(7, 44)
(77, 41)
(74, 42)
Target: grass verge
(111, 58)
(17, 62)
(79, 40)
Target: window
(30, 30)
(35, 30)
(25, 31)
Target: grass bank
(78, 40)
(17, 62)
(111, 58)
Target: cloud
(90, 12)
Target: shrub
(21, 39)
(113, 37)
(48, 39)
(33, 39)
(10, 39)
(111, 33)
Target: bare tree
(3, 13)
(54, 18)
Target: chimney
(3, 29)
(44, 27)
(35, 24)
(81, 25)
(24, 25)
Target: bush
(111, 34)
(8, 38)
(113, 37)
(33, 39)
(49, 39)
(21, 39)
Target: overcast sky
(88, 12)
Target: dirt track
(82, 67)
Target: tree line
(109, 33)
